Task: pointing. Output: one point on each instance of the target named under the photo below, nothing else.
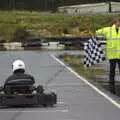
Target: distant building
(90, 8)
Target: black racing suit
(19, 74)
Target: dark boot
(112, 88)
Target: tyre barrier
(16, 46)
(51, 44)
(13, 46)
(2, 47)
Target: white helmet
(18, 64)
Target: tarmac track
(77, 99)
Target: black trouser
(113, 64)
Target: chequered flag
(93, 52)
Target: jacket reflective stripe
(114, 50)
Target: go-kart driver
(14, 94)
(18, 68)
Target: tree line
(43, 5)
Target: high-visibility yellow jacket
(112, 41)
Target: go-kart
(22, 92)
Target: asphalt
(77, 98)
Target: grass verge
(53, 24)
(76, 62)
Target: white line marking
(88, 83)
(36, 111)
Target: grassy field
(76, 62)
(47, 25)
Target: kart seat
(19, 85)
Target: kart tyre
(54, 98)
(49, 99)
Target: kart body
(23, 93)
